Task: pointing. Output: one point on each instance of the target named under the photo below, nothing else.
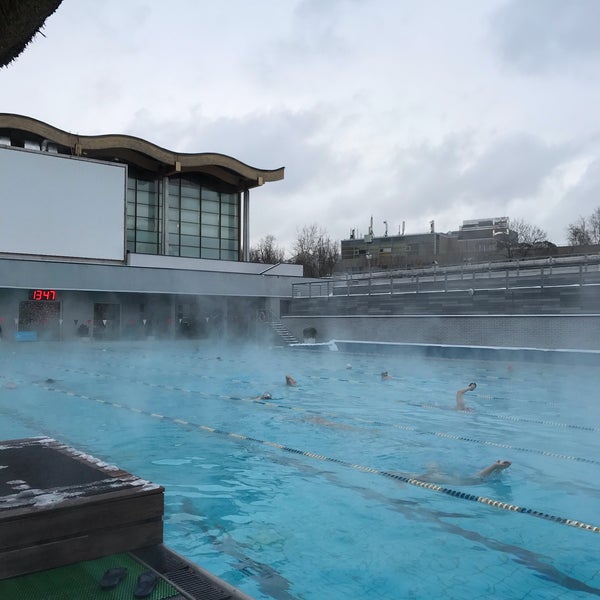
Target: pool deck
(59, 507)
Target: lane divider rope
(360, 419)
(417, 404)
(380, 424)
(403, 478)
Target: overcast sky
(404, 110)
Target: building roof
(141, 153)
(20, 20)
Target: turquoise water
(304, 510)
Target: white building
(112, 236)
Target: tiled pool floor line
(65, 517)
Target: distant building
(478, 239)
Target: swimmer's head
(289, 380)
(385, 375)
(266, 396)
(472, 385)
(503, 464)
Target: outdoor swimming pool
(308, 508)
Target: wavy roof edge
(178, 161)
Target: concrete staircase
(283, 332)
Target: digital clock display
(43, 295)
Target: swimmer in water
(460, 401)
(385, 376)
(289, 380)
(264, 396)
(435, 475)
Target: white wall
(52, 205)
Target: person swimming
(435, 475)
(289, 380)
(385, 376)
(460, 401)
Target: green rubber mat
(81, 581)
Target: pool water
(292, 498)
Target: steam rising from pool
(189, 416)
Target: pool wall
(577, 331)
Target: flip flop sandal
(112, 577)
(145, 584)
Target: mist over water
(258, 491)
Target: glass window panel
(145, 224)
(210, 253)
(229, 221)
(229, 255)
(147, 236)
(173, 227)
(173, 239)
(174, 251)
(173, 200)
(190, 252)
(143, 197)
(130, 222)
(186, 181)
(130, 236)
(131, 246)
(146, 248)
(210, 231)
(210, 219)
(143, 210)
(190, 203)
(210, 242)
(174, 214)
(190, 216)
(190, 190)
(210, 206)
(145, 185)
(229, 209)
(189, 228)
(190, 240)
(229, 233)
(229, 244)
(229, 199)
(131, 183)
(210, 195)
(174, 187)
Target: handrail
(269, 268)
(507, 275)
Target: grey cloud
(542, 35)
(515, 166)
(584, 197)
(454, 179)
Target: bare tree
(316, 251)
(585, 231)
(522, 238)
(267, 252)
(578, 234)
(595, 226)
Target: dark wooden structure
(59, 506)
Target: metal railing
(564, 271)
